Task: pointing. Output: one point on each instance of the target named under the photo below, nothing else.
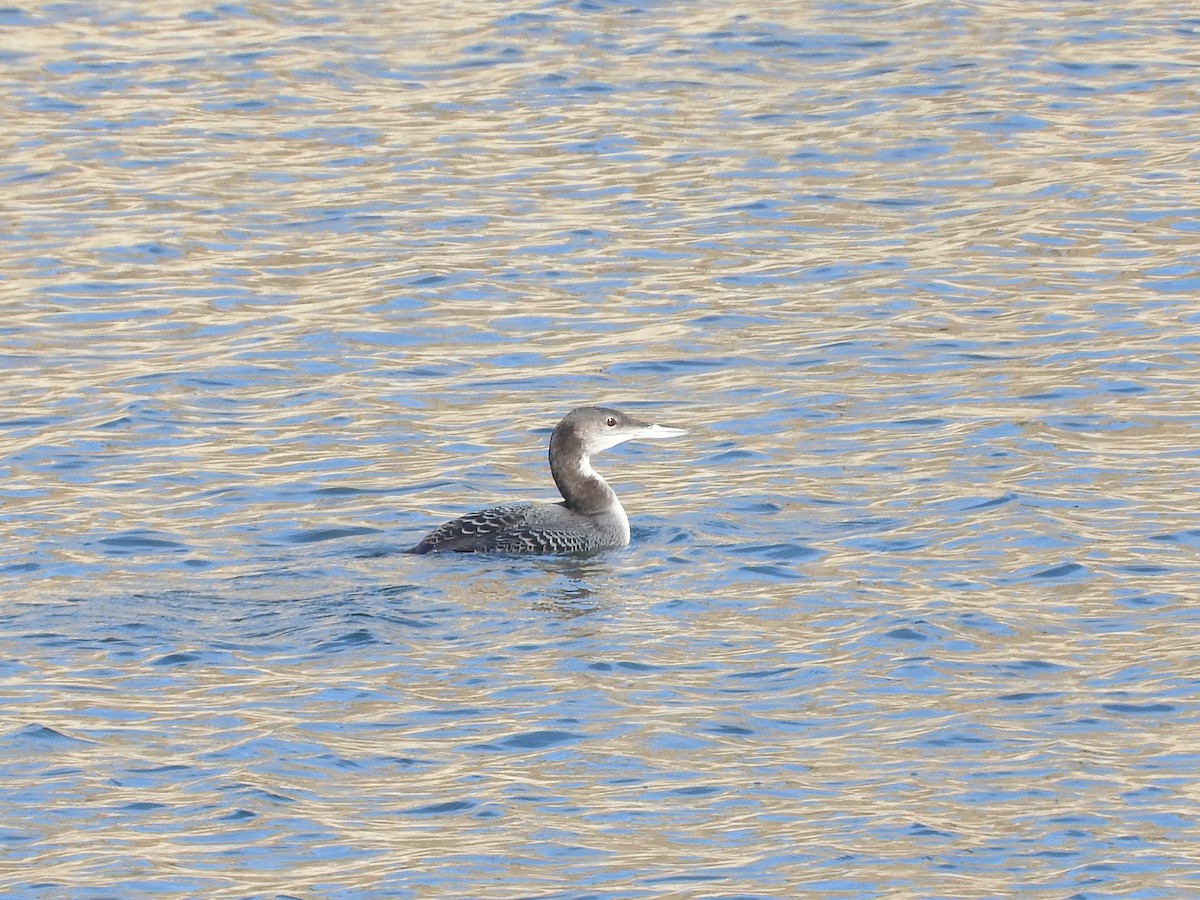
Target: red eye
(610, 422)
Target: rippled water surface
(911, 613)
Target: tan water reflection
(907, 615)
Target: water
(910, 614)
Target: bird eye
(610, 422)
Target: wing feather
(518, 528)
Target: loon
(589, 519)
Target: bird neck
(582, 487)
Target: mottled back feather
(519, 528)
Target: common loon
(589, 519)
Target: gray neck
(582, 487)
